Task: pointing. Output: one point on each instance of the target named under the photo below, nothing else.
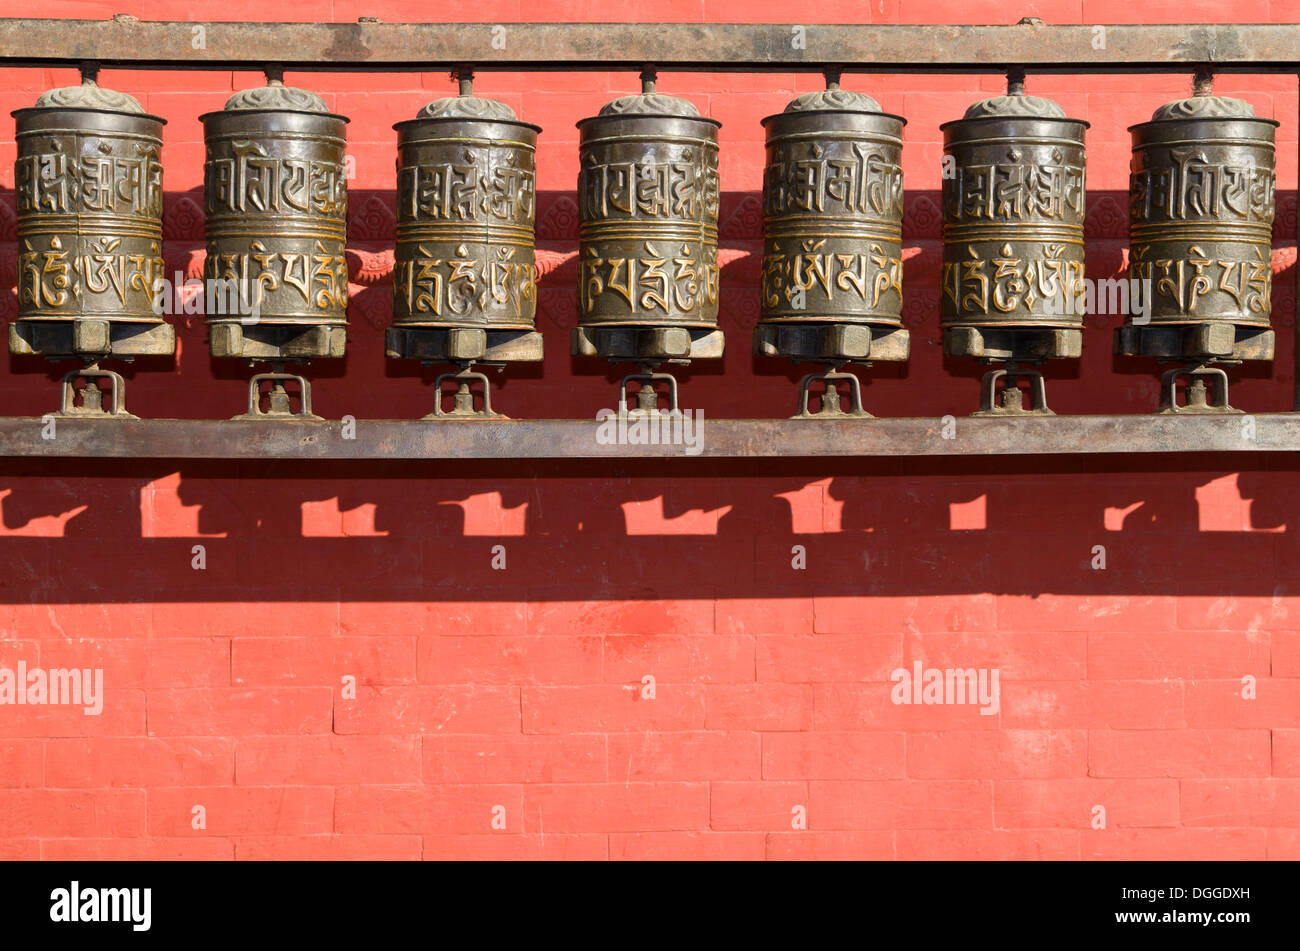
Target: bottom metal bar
(632, 437)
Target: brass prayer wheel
(832, 271)
(1013, 206)
(648, 197)
(1201, 204)
(465, 284)
(275, 196)
(89, 198)
(1013, 212)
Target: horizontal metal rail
(124, 41)
(585, 439)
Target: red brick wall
(523, 688)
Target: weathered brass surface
(648, 232)
(1201, 205)
(832, 272)
(275, 196)
(465, 285)
(89, 198)
(1013, 207)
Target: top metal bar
(1069, 48)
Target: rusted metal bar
(585, 439)
(372, 45)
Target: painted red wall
(523, 688)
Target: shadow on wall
(114, 530)
(367, 385)
(121, 531)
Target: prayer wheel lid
(1015, 105)
(1204, 104)
(1205, 107)
(650, 104)
(468, 107)
(277, 97)
(89, 95)
(833, 99)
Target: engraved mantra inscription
(320, 277)
(864, 276)
(467, 191)
(1195, 187)
(1184, 281)
(866, 184)
(992, 192)
(251, 181)
(1007, 282)
(648, 189)
(434, 285)
(56, 183)
(51, 277)
(667, 277)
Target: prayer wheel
(1013, 213)
(648, 233)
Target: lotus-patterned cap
(89, 95)
(276, 96)
(833, 99)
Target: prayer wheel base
(1012, 344)
(462, 344)
(836, 343)
(647, 344)
(90, 339)
(286, 343)
(1217, 341)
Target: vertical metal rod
(1203, 81)
(1016, 81)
